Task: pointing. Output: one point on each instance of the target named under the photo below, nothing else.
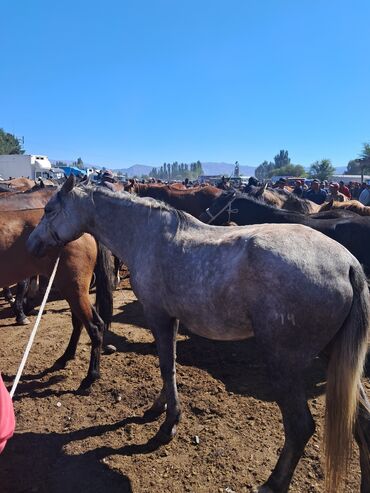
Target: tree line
(322, 169)
(177, 171)
(280, 166)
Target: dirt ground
(227, 441)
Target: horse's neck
(124, 227)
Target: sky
(121, 82)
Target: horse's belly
(220, 329)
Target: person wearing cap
(315, 193)
(335, 194)
(280, 186)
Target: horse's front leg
(84, 312)
(18, 306)
(70, 351)
(165, 331)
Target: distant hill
(208, 168)
(136, 170)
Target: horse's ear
(41, 183)
(68, 184)
(260, 191)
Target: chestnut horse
(192, 200)
(34, 198)
(349, 205)
(77, 263)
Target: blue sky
(147, 81)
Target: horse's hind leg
(165, 331)
(362, 436)
(298, 426)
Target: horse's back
(227, 278)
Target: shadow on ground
(54, 471)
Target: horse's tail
(345, 369)
(103, 272)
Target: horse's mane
(183, 219)
(303, 204)
(259, 200)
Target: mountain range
(208, 168)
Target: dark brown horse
(76, 267)
(192, 200)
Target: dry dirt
(67, 442)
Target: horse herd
(297, 291)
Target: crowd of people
(321, 191)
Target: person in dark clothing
(252, 182)
(315, 193)
(298, 189)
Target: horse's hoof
(87, 382)
(164, 435)
(109, 349)
(262, 489)
(23, 321)
(59, 364)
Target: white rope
(34, 330)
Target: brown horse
(35, 198)
(192, 200)
(77, 262)
(18, 184)
(287, 201)
(351, 205)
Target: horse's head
(62, 220)
(220, 210)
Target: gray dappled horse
(296, 298)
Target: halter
(227, 206)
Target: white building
(24, 165)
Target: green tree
(322, 170)
(362, 164)
(353, 167)
(289, 170)
(9, 144)
(282, 159)
(263, 170)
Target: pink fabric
(7, 419)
